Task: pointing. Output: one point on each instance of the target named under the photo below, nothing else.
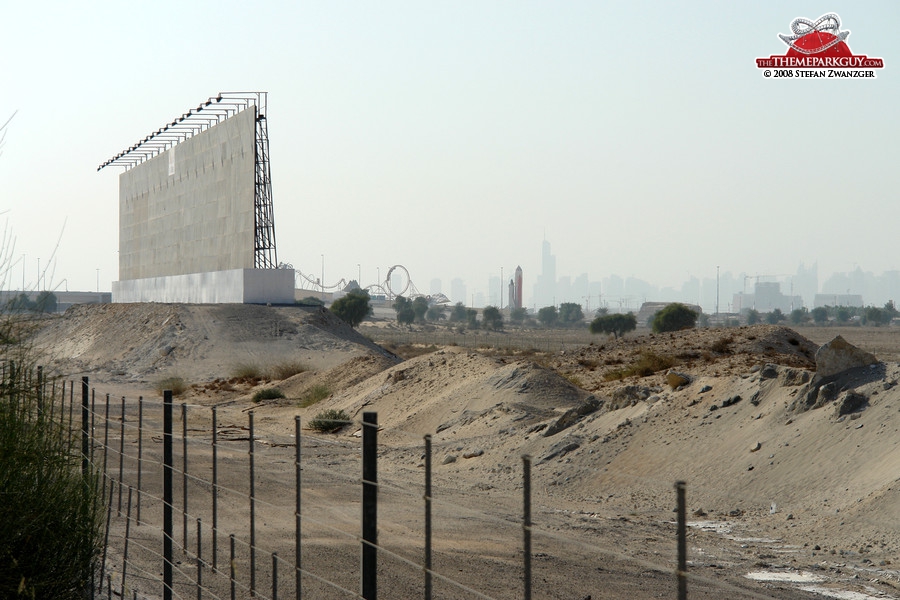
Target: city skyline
(621, 294)
(453, 138)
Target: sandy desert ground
(785, 501)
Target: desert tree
(819, 315)
(404, 308)
(472, 318)
(458, 313)
(491, 318)
(420, 308)
(548, 316)
(876, 316)
(615, 324)
(775, 317)
(570, 313)
(436, 312)
(753, 317)
(518, 315)
(674, 317)
(352, 308)
(799, 316)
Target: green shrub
(674, 317)
(314, 394)
(267, 394)
(329, 421)
(51, 514)
(175, 383)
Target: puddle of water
(785, 576)
(723, 528)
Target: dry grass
(408, 351)
(175, 383)
(314, 394)
(254, 373)
(287, 369)
(646, 364)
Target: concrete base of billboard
(236, 286)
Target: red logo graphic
(820, 44)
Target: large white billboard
(190, 209)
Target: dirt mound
(713, 351)
(134, 342)
(459, 393)
(608, 440)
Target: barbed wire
(391, 485)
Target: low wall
(236, 286)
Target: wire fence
(201, 506)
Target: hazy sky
(639, 138)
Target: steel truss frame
(197, 120)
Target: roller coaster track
(405, 286)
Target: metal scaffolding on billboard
(206, 115)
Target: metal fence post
(297, 556)
(121, 457)
(682, 541)
(252, 513)
(526, 523)
(85, 450)
(39, 388)
(428, 517)
(184, 477)
(127, 534)
(167, 495)
(93, 428)
(233, 574)
(106, 440)
(370, 506)
(274, 576)
(140, 456)
(199, 560)
(215, 492)
(71, 409)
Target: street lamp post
(322, 283)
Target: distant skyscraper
(458, 291)
(545, 288)
(518, 284)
